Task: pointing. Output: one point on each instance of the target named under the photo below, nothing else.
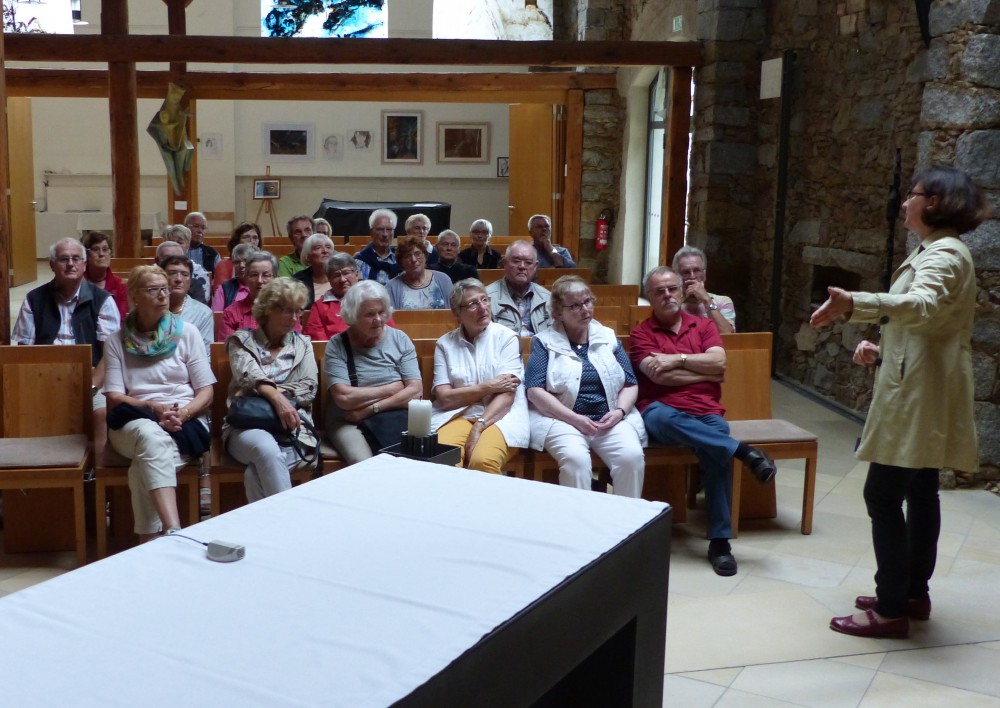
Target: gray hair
(459, 289)
(689, 251)
(291, 223)
(448, 233)
(261, 257)
(310, 243)
(379, 213)
(654, 272)
(178, 233)
(548, 220)
(365, 290)
(339, 261)
(484, 223)
(69, 240)
(194, 214)
(528, 244)
(414, 218)
(244, 251)
(165, 245)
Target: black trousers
(905, 547)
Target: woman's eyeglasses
(578, 306)
(479, 304)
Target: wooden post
(123, 112)
(5, 237)
(675, 163)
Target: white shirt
(459, 363)
(108, 321)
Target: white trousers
(619, 448)
(267, 462)
(155, 461)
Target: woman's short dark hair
(95, 237)
(242, 229)
(960, 206)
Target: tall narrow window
(655, 149)
(324, 18)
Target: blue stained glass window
(323, 18)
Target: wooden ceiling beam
(408, 52)
(455, 88)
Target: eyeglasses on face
(295, 312)
(156, 290)
(692, 272)
(578, 306)
(100, 250)
(344, 274)
(66, 260)
(913, 193)
(526, 262)
(481, 303)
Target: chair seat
(56, 451)
(770, 430)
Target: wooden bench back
(45, 391)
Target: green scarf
(161, 344)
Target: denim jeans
(708, 436)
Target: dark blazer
(491, 259)
(456, 271)
(306, 278)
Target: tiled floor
(761, 638)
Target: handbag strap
(352, 372)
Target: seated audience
(549, 256)
(479, 254)
(158, 366)
(316, 251)
(261, 268)
(98, 270)
(518, 302)
(274, 362)
(479, 403)
(691, 264)
(420, 225)
(200, 252)
(417, 288)
(324, 318)
(680, 363)
(448, 245)
(377, 260)
(299, 229)
(387, 373)
(581, 394)
(247, 232)
(178, 270)
(178, 235)
(236, 287)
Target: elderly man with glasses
(518, 303)
(690, 263)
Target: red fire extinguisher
(601, 229)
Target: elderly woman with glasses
(276, 363)
(246, 232)
(417, 287)
(479, 403)
(582, 392)
(420, 225)
(324, 319)
(262, 268)
(236, 287)
(386, 374)
(98, 270)
(316, 251)
(178, 233)
(159, 388)
(479, 254)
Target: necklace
(180, 309)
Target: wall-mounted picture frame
(361, 139)
(463, 142)
(289, 142)
(503, 167)
(333, 147)
(267, 188)
(402, 142)
(210, 146)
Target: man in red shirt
(680, 364)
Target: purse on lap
(254, 412)
(384, 428)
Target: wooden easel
(266, 208)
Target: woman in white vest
(582, 392)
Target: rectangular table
(388, 582)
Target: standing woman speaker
(921, 416)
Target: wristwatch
(713, 306)
(481, 421)
(684, 360)
(375, 408)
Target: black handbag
(381, 429)
(254, 412)
(192, 439)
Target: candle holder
(422, 446)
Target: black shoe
(760, 465)
(720, 555)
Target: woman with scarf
(159, 389)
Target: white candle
(419, 418)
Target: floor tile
(889, 691)
(817, 684)
(966, 667)
(719, 677)
(690, 693)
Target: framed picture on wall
(267, 188)
(289, 142)
(333, 147)
(463, 142)
(361, 139)
(401, 137)
(503, 167)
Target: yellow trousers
(491, 451)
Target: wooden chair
(47, 445)
(224, 469)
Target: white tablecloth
(356, 588)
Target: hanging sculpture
(169, 129)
